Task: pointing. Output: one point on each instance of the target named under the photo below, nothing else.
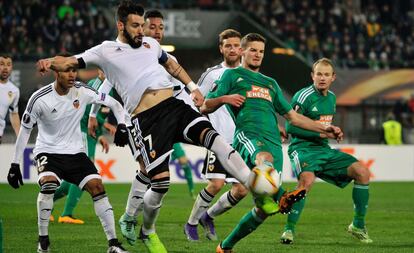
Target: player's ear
(120, 25)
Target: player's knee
(360, 173)
(201, 133)
(49, 187)
(239, 191)
(94, 187)
(214, 186)
(264, 156)
(160, 184)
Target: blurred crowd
(36, 28)
(375, 34)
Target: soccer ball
(264, 179)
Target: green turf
(327, 214)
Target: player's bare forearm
(211, 105)
(177, 71)
(57, 63)
(15, 122)
(304, 122)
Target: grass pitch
(322, 227)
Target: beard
(135, 42)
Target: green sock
(360, 196)
(294, 215)
(62, 191)
(279, 194)
(72, 200)
(189, 177)
(247, 224)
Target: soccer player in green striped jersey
(312, 157)
(254, 100)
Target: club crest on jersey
(211, 167)
(10, 93)
(145, 44)
(259, 92)
(76, 103)
(153, 154)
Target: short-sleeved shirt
(131, 71)
(264, 99)
(312, 104)
(58, 117)
(9, 98)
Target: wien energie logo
(259, 92)
(325, 120)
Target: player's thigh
(73, 168)
(307, 159)
(335, 170)
(213, 169)
(250, 144)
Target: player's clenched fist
(14, 177)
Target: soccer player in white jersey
(9, 96)
(57, 109)
(154, 27)
(132, 65)
(213, 171)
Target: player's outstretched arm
(304, 122)
(14, 177)
(58, 63)
(178, 72)
(15, 122)
(212, 104)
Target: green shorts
(249, 144)
(90, 145)
(330, 165)
(178, 151)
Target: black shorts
(158, 128)
(77, 169)
(213, 169)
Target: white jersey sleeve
(96, 97)
(14, 108)
(106, 88)
(208, 78)
(92, 55)
(33, 109)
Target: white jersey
(221, 118)
(132, 71)
(179, 89)
(9, 98)
(58, 117)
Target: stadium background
(371, 43)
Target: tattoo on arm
(177, 71)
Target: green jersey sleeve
(297, 131)
(223, 86)
(282, 106)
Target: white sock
(201, 204)
(152, 206)
(44, 209)
(135, 202)
(225, 203)
(230, 159)
(104, 211)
